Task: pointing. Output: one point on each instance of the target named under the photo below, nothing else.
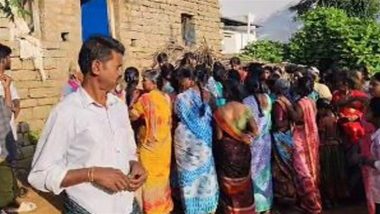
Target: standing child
(333, 182)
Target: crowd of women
(233, 140)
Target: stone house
(45, 50)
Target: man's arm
(15, 100)
(49, 168)
(49, 165)
(6, 82)
(112, 180)
(16, 107)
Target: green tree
(354, 8)
(264, 50)
(11, 8)
(330, 38)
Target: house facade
(46, 42)
(237, 35)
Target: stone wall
(37, 97)
(143, 26)
(146, 26)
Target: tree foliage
(11, 8)
(264, 50)
(368, 9)
(331, 38)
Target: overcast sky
(261, 9)
(274, 15)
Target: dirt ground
(47, 204)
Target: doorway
(95, 19)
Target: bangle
(88, 174)
(92, 174)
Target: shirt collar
(87, 100)
(375, 135)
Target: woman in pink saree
(306, 148)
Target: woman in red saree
(235, 128)
(306, 148)
(350, 103)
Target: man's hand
(112, 180)
(137, 175)
(6, 80)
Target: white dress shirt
(14, 94)
(81, 133)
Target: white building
(236, 35)
(274, 15)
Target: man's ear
(96, 67)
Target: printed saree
(196, 175)
(261, 155)
(233, 166)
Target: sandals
(22, 191)
(24, 207)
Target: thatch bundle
(204, 53)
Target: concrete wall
(234, 42)
(38, 97)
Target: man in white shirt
(87, 148)
(7, 193)
(9, 105)
(13, 103)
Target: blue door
(94, 18)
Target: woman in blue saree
(196, 173)
(260, 105)
(283, 171)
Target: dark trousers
(71, 207)
(8, 185)
(377, 209)
(11, 146)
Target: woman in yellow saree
(154, 144)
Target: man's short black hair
(235, 61)
(5, 51)
(98, 48)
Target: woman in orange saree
(154, 144)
